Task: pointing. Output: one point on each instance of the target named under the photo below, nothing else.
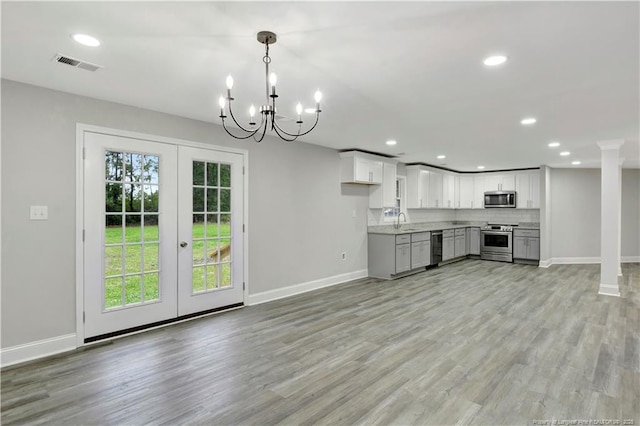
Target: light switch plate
(39, 213)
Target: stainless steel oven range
(496, 242)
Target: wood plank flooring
(474, 342)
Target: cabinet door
(474, 245)
(460, 245)
(492, 182)
(420, 254)
(523, 191)
(508, 182)
(362, 172)
(478, 191)
(403, 258)
(448, 191)
(534, 190)
(520, 247)
(465, 195)
(533, 248)
(448, 248)
(435, 190)
(384, 195)
(375, 170)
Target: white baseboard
(583, 260)
(281, 293)
(545, 263)
(609, 290)
(33, 350)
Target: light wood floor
(475, 342)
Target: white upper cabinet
(499, 182)
(464, 193)
(381, 196)
(478, 191)
(417, 187)
(449, 190)
(359, 167)
(435, 190)
(528, 190)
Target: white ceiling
(410, 71)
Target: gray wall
(300, 217)
(575, 212)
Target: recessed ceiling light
(310, 110)
(554, 144)
(481, 167)
(528, 121)
(86, 40)
(565, 153)
(575, 163)
(441, 157)
(391, 142)
(492, 61)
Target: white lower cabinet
(391, 256)
(526, 245)
(403, 258)
(420, 250)
(474, 241)
(448, 244)
(460, 242)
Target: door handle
(183, 244)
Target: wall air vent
(63, 59)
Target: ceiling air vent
(77, 63)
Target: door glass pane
(133, 229)
(113, 197)
(225, 249)
(225, 200)
(212, 251)
(198, 199)
(113, 292)
(113, 230)
(133, 198)
(198, 279)
(150, 196)
(151, 166)
(212, 277)
(131, 252)
(212, 174)
(151, 287)
(212, 200)
(133, 290)
(113, 260)
(225, 277)
(198, 173)
(133, 167)
(151, 232)
(212, 225)
(211, 193)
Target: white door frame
(80, 131)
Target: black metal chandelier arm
(298, 134)
(284, 138)
(264, 131)
(238, 124)
(224, 126)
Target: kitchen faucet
(398, 223)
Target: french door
(163, 231)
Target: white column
(621, 160)
(610, 211)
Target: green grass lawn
(144, 286)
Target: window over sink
(391, 213)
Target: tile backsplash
(506, 216)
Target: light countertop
(410, 228)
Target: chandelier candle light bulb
(268, 109)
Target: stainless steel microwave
(500, 199)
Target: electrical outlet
(38, 213)
(343, 255)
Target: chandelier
(268, 110)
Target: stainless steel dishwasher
(436, 247)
